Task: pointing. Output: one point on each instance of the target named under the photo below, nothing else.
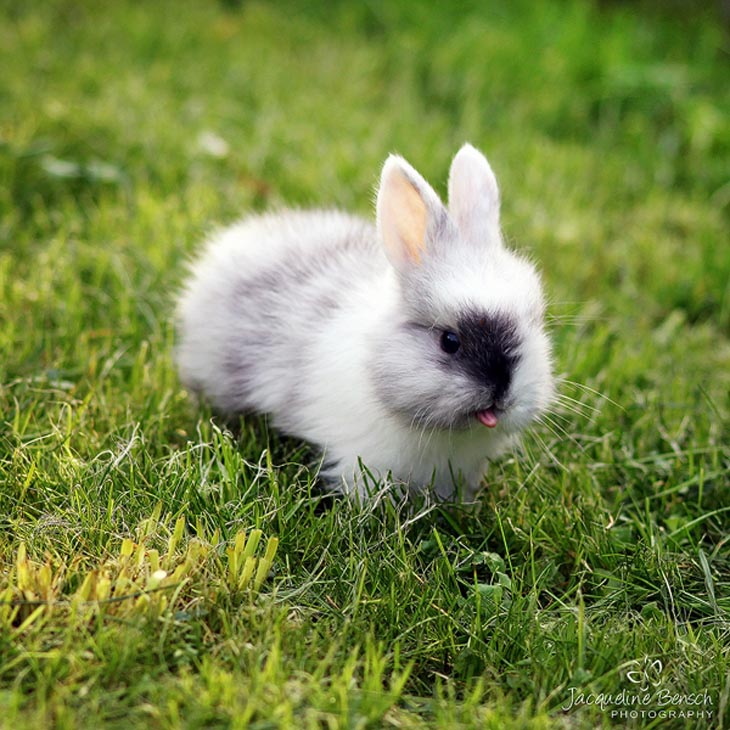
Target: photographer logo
(645, 696)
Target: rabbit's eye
(450, 342)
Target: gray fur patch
(277, 308)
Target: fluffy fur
(334, 328)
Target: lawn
(158, 569)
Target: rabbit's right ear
(406, 204)
(474, 197)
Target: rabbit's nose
(491, 344)
(499, 376)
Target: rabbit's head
(466, 347)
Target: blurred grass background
(128, 130)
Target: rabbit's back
(260, 294)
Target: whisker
(565, 408)
(567, 399)
(561, 432)
(582, 386)
(564, 417)
(546, 449)
(567, 320)
(554, 428)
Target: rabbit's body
(335, 328)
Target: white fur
(301, 316)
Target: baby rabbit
(413, 350)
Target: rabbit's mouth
(488, 417)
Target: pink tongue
(487, 418)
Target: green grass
(602, 543)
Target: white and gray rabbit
(414, 348)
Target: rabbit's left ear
(407, 208)
(474, 197)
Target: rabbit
(412, 352)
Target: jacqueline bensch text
(660, 703)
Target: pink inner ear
(404, 219)
(413, 216)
